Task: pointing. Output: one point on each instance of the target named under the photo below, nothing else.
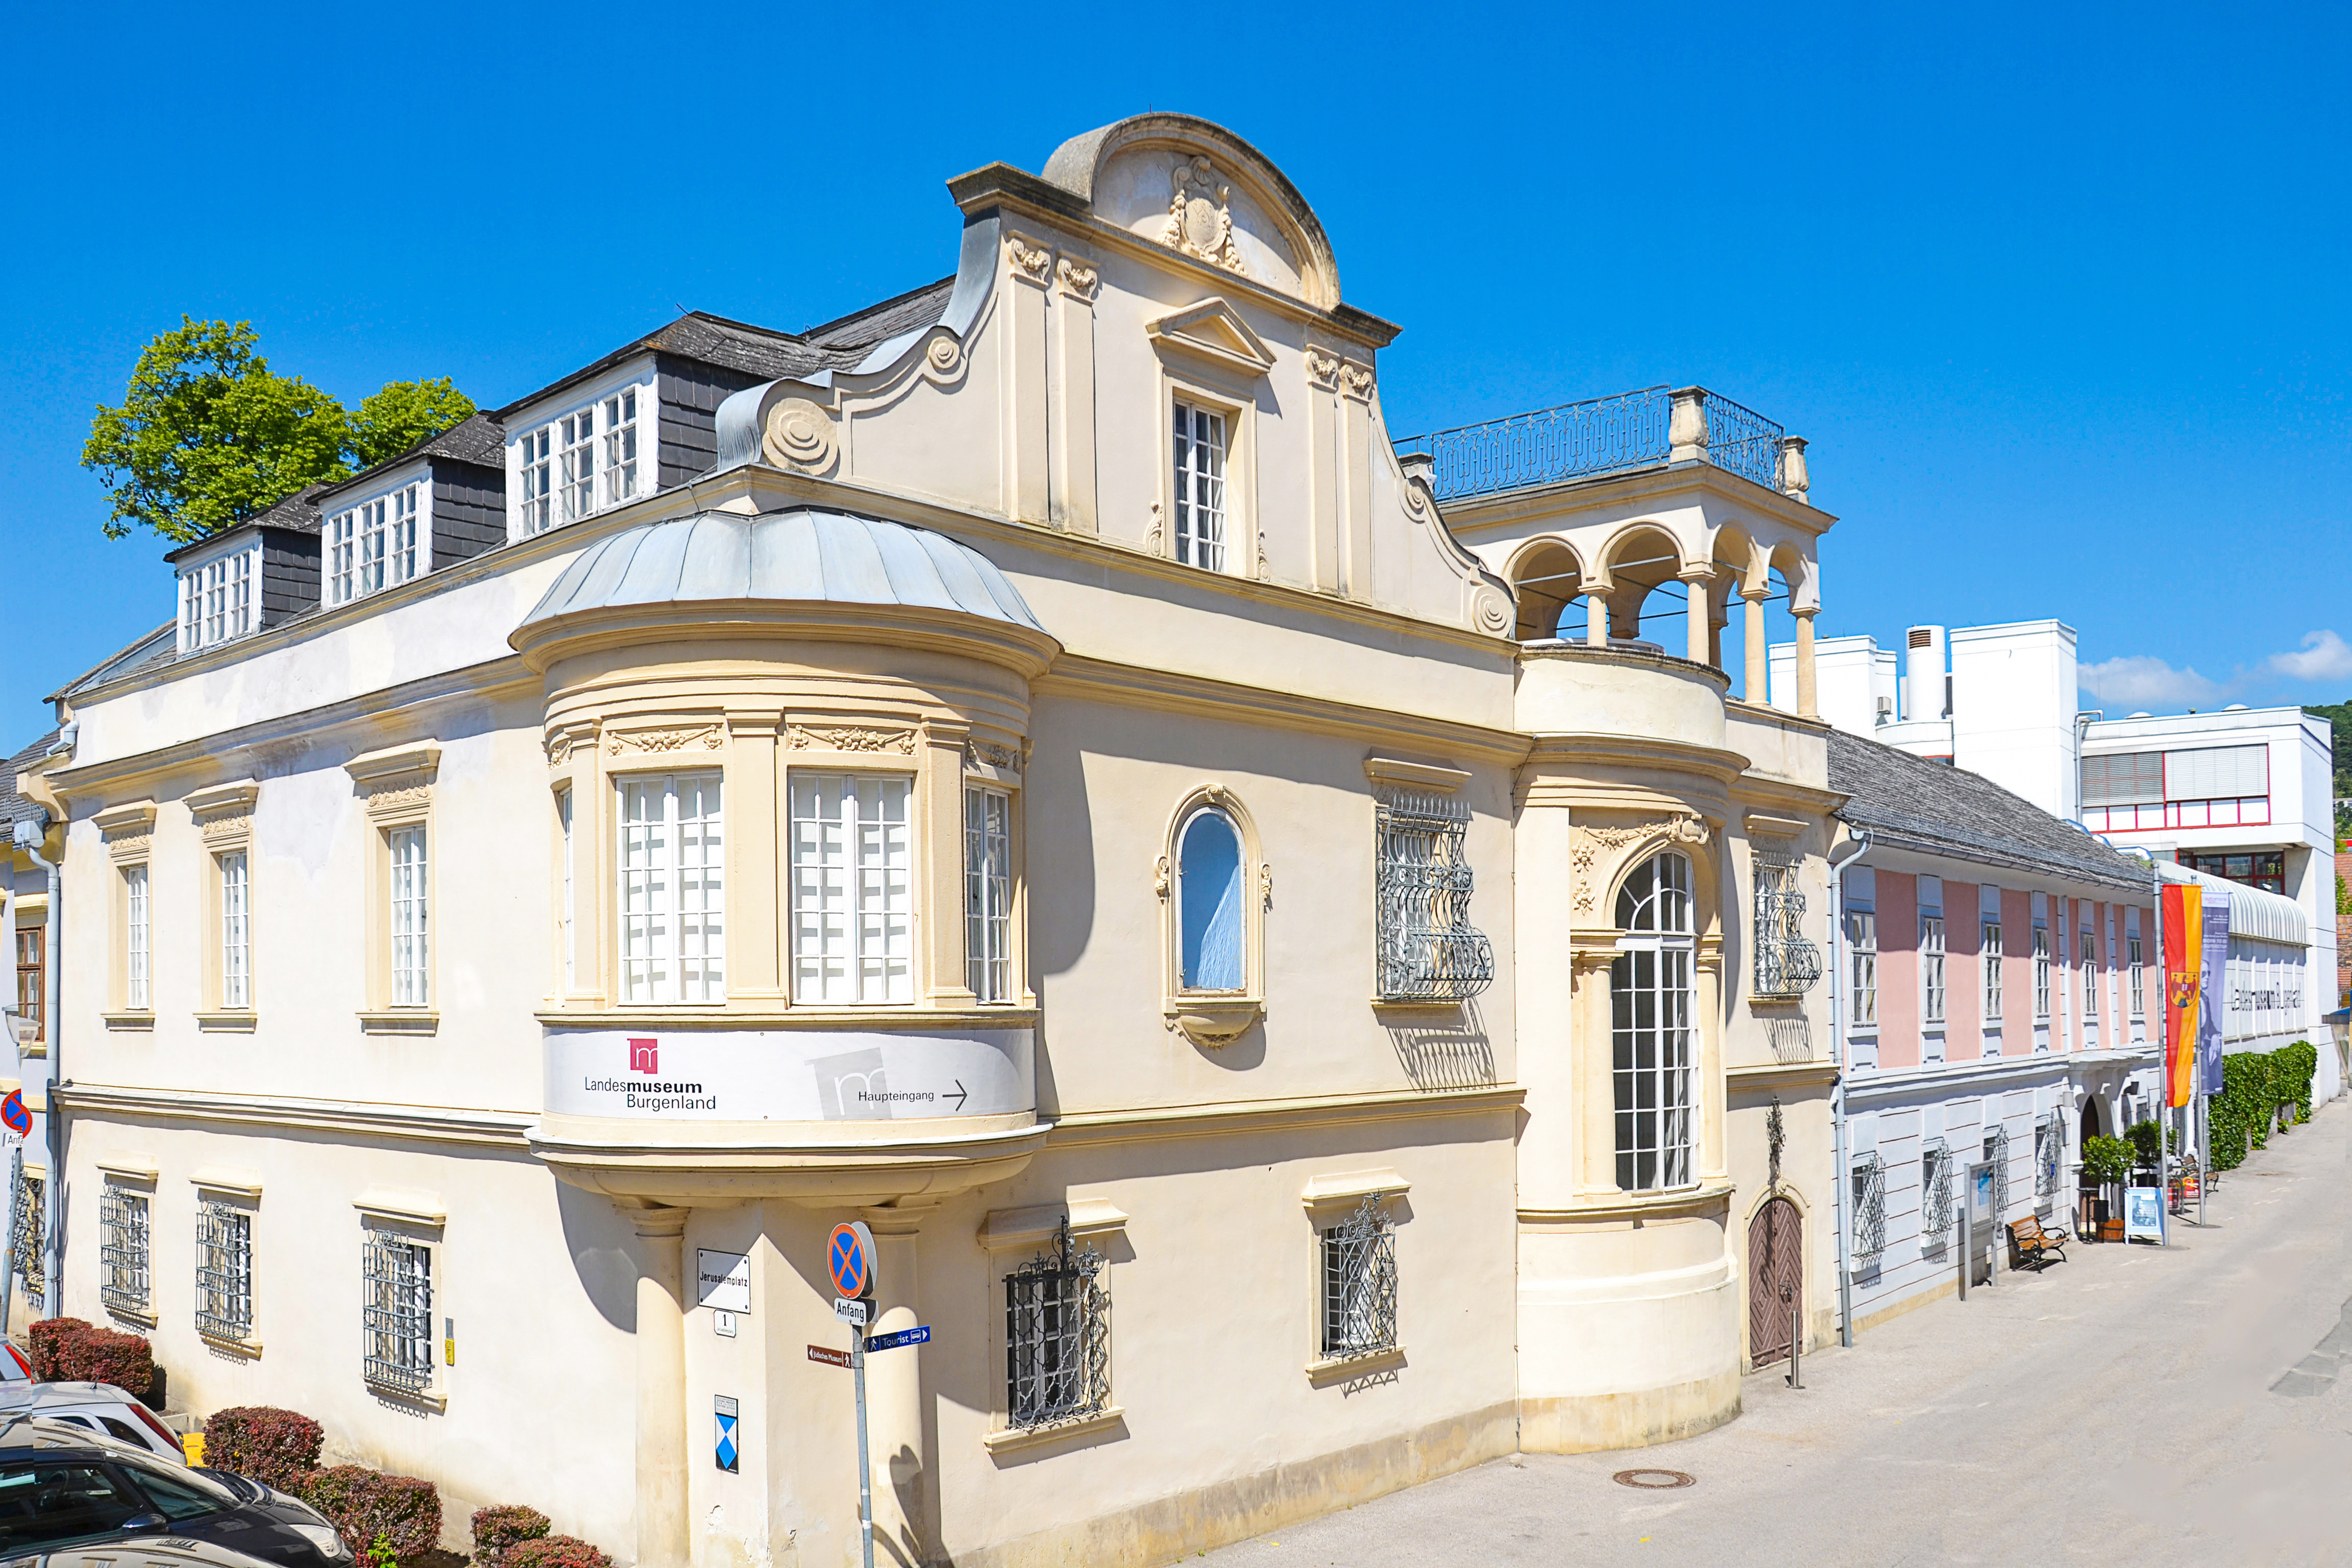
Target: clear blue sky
(2059, 295)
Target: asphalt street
(2133, 1406)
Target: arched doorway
(2088, 1200)
(1776, 1280)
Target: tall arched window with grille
(1649, 1016)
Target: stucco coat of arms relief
(1200, 216)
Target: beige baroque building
(1028, 767)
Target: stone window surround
(397, 786)
(222, 815)
(1010, 1238)
(240, 1189)
(422, 1219)
(129, 831)
(1213, 1018)
(1328, 1201)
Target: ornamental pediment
(1214, 329)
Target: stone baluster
(1794, 479)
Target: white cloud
(2143, 680)
(2324, 657)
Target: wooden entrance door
(1776, 1280)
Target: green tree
(405, 412)
(207, 435)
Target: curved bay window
(1650, 1003)
(1209, 913)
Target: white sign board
(788, 1076)
(1981, 1199)
(722, 1279)
(2144, 1214)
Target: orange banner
(2184, 962)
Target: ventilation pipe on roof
(1927, 691)
(28, 835)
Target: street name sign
(891, 1341)
(829, 1356)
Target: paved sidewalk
(2133, 1407)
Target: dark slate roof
(1909, 803)
(477, 438)
(299, 512)
(157, 647)
(766, 354)
(13, 807)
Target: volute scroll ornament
(1079, 280)
(1200, 216)
(800, 435)
(1031, 263)
(1322, 369)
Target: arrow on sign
(892, 1341)
(962, 1094)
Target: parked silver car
(98, 1409)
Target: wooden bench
(2030, 1247)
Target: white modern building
(2244, 795)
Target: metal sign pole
(8, 1266)
(1966, 1247)
(865, 1471)
(1796, 1341)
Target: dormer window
(216, 599)
(579, 463)
(373, 545)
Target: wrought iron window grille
(1057, 1336)
(2049, 1154)
(1869, 1189)
(1934, 1192)
(397, 1320)
(28, 1224)
(1360, 1283)
(224, 1271)
(1786, 965)
(1429, 951)
(1996, 1150)
(123, 1282)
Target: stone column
(894, 1391)
(1696, 612)
(1596, 614)
(663, 1540)
(1759, 660)
(1807, 694)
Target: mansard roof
(804, 555)
(1909, 803)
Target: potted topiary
(2108, 1162)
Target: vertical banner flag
(2184, 960)
(2213, 994)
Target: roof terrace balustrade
(1624, 433)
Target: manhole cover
(1654, 1480)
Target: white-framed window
(236, 932)
(1988, 955)
(403, 543)
(216, 600)
(621, 446)
(1931, 968)
(135, 939)
(1198, 491)
(2138, 996)
(1650, 999)
(1861, 942)
(372, 546)
(988, 893)
(673, 889)
(398, 1315)
(852, 891)
(405, 849)
(534, 489)
(2041, 972)
(122, 1249)
(2090, 957)
(575, 463)
(342, 558)
(224, 1270)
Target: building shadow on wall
(1791, 1037)
(1445, 1048)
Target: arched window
(1209, 913)
(1650, 1018)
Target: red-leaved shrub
(557, 1552)
(276, 1448)
(363, 1504)
(501, 1529)
(103, 1356)
(44, 1337)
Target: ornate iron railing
(2049, 1154)
(28, 1224)
(1057, 1336)
(1934, 1192)
(1995, 1149)
(1617, 433)
(1869, 1195)
(397, 1321)
(1360, 1283)
(1429, 951)
(123, 1282)
(1786, 965)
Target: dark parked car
(64, 1489)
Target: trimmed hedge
(43, 1336)
(68, 1349)
(262, 1442)
(363, 1504)
(2254, 1084)
(557, 1552)
(501, 1529)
